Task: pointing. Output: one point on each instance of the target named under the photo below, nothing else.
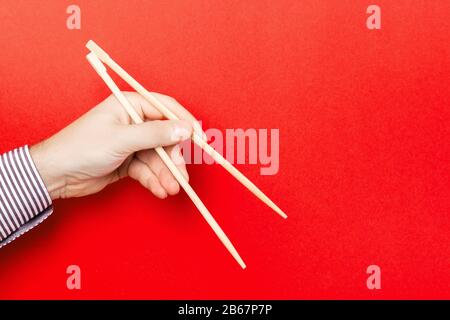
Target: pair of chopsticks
(97, 57)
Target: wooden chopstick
(101, 70)
(103, 56)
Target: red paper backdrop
(364, 147)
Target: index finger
(181, 112)
(148, 111)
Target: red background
(364, 147)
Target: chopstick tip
(279, 211)
(239, 259)
(92, 46)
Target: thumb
(152, 134)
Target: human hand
(103, 146)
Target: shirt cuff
(24, 199)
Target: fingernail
(182, 131)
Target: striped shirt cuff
(24, 199)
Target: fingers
(180, 111)
(147, 111)
(166, 179)
(142, 173)
(152, 134)
(147, 167)
(144, 108)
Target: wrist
(54, 180)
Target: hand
(103, 146)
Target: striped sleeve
(24, 199)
